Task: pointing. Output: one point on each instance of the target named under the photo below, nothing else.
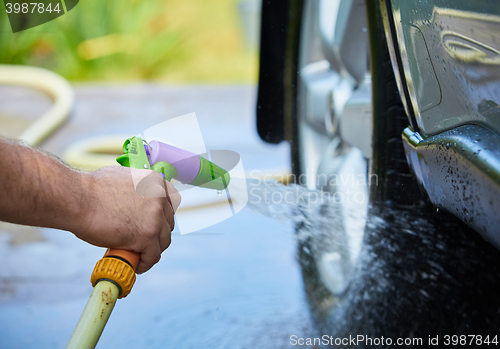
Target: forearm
(36, 189)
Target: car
(405, 95)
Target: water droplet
(219, 192)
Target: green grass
(187, 41)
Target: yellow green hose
(94, 316)
(52, 84)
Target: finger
(149, 258)
(169, 215)
(173, 195)
(165, 238)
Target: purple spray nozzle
(191, 168)
(186, 163)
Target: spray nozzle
(173, 162)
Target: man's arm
(102, 207)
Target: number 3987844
(32, 7)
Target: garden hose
(52, 84)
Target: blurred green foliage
(184, 41)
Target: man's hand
(114, 207)
(129, 209)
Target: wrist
(77, 202)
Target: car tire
(420, 272)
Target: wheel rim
(324, 89)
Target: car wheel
(390, 266)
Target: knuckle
(153, 221)
(155, 258)
(157, 209)
(152, 229)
